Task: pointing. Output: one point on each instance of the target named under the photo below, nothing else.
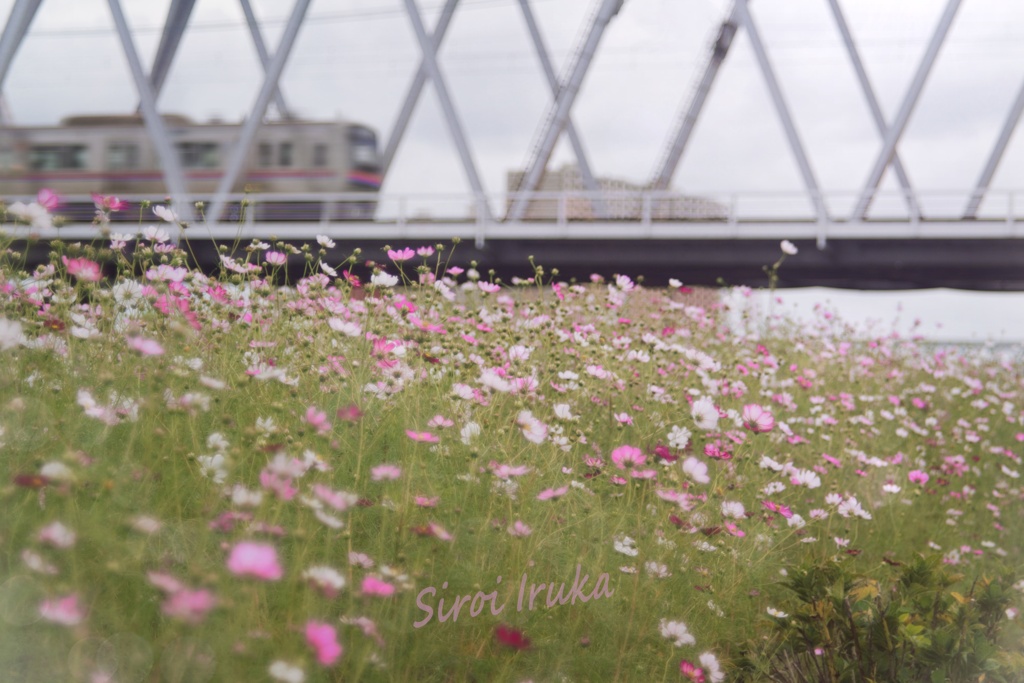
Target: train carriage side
(113, 155)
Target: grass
(168, 423)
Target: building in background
(562, 191)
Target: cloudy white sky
(355, 59)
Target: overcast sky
(356, 58)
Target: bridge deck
(978, 255)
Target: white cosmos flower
(704, 413)
(679, 438)
(165, 213)
(626, 546)
(733, 509)
(384, 280)
(696, 470)
(286, 673)
(11, 334)
(677, 632)
(788, 248)
(469, 432)
(155, 234)
(712, 670)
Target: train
(113, 155)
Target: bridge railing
(644, 207)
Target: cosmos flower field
(424, 474)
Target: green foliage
(925, 624)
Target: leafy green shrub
(926, 624)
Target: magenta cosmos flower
(757, 418)
(255, 559)
(324, 639)
(374, 586)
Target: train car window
(48, 157)
(7, 158)
(363, 145)
(198, 154)
(320, 155)
(122, 155)
(284, 154)
(266, 154)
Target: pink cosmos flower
(65, 611)
(318, 419)
(82, 268)
(401, 255)
(258, 560)
(48, 199)
(425, 251)
(783, 510)
(488, 287)
(421, 436)
(385, 473)
(108, 202)
(374, 586)
(734, 530)
(506, 471)
(360, 560)
(57, 535)
(189, 605)
(339, 500)
(279, 484)
(426, 502)
(519, 529)
(757, 419)
(147, 347)
(692, 672)
(628, 456)
(918, 477)
(438, 531)
(324, 639)
(549, 494)
(276, 258)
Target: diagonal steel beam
(18, 21)
(412, 96)
(177, 19)
(876, 109)
(242, 145)
(668, 166)
(570, 130)
(261, 51)
(780, 106)
(558, 114)
(995, 157)
(450, 115)
(174, 176)
(899, 124)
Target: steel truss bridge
(841, 243)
